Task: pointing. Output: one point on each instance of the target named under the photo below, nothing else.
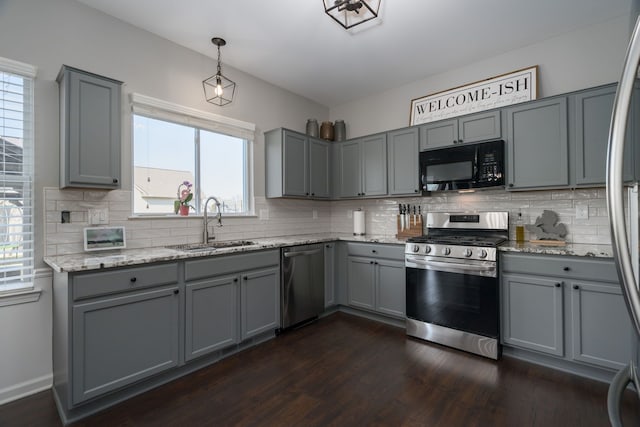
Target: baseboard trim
(26, 388)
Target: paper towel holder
(358, 223)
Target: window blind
(16, 175)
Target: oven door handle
(452, 267)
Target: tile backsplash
(281, 217)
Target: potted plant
(184, 197)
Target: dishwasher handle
(300, 253)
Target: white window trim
(21, 293)
(164, 110)
(25, 294)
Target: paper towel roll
(358, 223)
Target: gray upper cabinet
(471, 128)
(296, 165)
(90, 130)
(592, 118)
(362, 167)
(537, 144)
(403, 159)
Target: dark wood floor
(348, 371)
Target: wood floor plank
(344, 371)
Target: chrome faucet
(206, 237)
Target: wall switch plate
(315, 214)
(582, 212)
(264, 214)
(98, 216)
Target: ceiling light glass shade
(218, 89)
(350, 13)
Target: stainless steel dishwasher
(302, 284)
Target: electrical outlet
(98, 216)
(315, 214)
(582, 212)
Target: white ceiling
(295, 45)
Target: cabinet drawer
(376, 250)
(111, 281)
(217, 265)
(561, 267)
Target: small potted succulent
(185, 196)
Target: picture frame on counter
(104, 238)
(494, 92)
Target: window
(16, 175)
(174, 144)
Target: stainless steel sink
(190, 247)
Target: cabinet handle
(306, 194)
(558, 285)
(115, 180)
(176, 292)
(370, 262)
(328, 246)
(313, 194)
(566, 268)
(374, 251)
(576, 287)
(245, 278)
(235, 280)
(511, 185)
(415, 191)
(459, 141)
(133, 279)
(375, 262)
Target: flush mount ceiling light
(218, 89)
(350, 13)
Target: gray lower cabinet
(212, 315)
(403, 158)
(362, 167)
(329, 274)
(537, 144)
(471, 128)
(533, 313)
(260, 301)
(90, 130)
(376, 278)
(569, 307)
(296, 165)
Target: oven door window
(459, 301)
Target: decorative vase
(326, 131)
(184, 210)
(339, 130)
(312, 127)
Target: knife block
(411, 229)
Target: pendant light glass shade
(350, 13)
(218, 89)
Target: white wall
(585, 58)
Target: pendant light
(350, 13)
(218, 89)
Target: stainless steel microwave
(463, 167)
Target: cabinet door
(120, 340)
(361, 281)
(532, 313)
(537, 146)
(260, 301)
(350, 170)
(479, 127)
(403, 151)
(600, 327)
(92, 132)
(438, 134)
(374, 165)
(390, 288)
(295, 157)
(329, 275)
(211, 315)
(593, 116)
(319, 173)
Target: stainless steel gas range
(452, 281)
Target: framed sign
(104, 238)
(506, 89)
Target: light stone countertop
(574, 249)
(128, 257)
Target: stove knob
(483, 253)
(427, 249)
(416, 248)
(446, 251)
(467, 252)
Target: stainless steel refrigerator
(624, 233)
